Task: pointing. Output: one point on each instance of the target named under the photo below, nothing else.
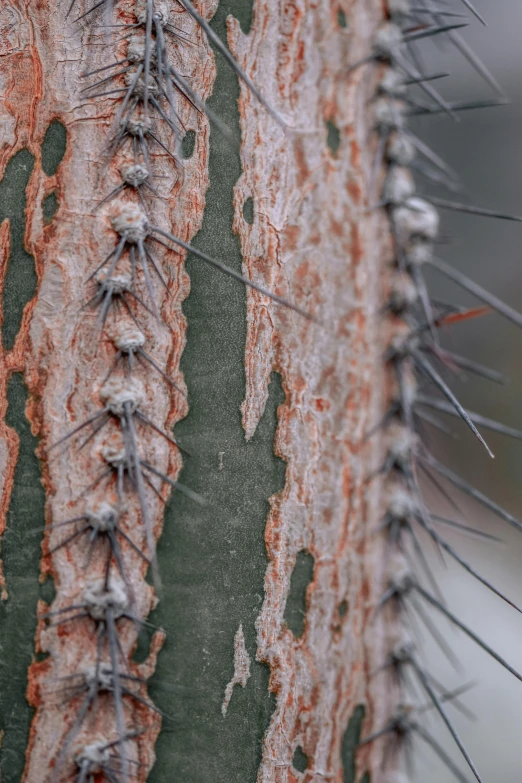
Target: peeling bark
(241, 669)
(313, 241)
(59, 347)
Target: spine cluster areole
(419, 367)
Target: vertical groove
(20, 277)
(213, 559)
(21, 555)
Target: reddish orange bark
(314, 241)
(59, 347)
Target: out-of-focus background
(485, 148)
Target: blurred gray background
(485, 148)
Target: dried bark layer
(311, 239)
(314, 240)
(61, 349)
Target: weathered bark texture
(59, 346)
(312, 240)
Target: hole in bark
(21, 556)
(142, 649)
(343, 608)
(53, 147)
(248, 211)
(351, 739)
(295, 609)
(20, 278)
(300, 760)
(333, 137)
(49, 207)
(188, 144)
(48, 590)
(341, 18)
(366, 778)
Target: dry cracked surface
(313, 241)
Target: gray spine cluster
(419, 366)
(151, 89)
